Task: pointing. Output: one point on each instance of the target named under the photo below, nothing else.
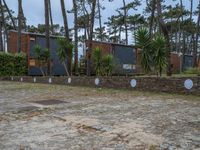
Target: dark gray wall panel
(124, 55)
(57, 68)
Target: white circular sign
(50, 80)
(188, 84)
(69, 80)
(133, 83)
(21, 79)
(34, 80)
(97, 81)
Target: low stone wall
(169, 85)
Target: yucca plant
(46, 58)
(144, 42)
(153, 51)
(97, 60)
(159, 50)
(108, 64)
(62, 52)
(40, 59)
(46, 54)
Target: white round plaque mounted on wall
(69, 80)
(97, 81)
(188, 84)
(50, 80)
(34, 79)
(133, 83)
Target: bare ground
(96, 119)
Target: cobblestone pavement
(95, 119)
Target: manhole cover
(49, 102)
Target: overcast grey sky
(34, 9)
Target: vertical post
(125, 21)
(19, 26)
(46, 5)
(75, 38)
(91, 37)
(1, 27)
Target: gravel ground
(95, 119)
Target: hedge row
(13, 64)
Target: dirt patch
(126, 132)
(122, 133)
(96, 119)
(26, 109)
(49, 102)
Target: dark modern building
(125, 56)
(129, 58)
(29, 40)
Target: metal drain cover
(49, 102)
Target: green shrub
(103, 64)
(42, 56)
(144, 42)
(153, 56)
(65, 53)
(159, 54)
(97, 60)
(108, 65)
(13, 64)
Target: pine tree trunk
(10, 15)
(191, 9)
(23, 19)
(86, 21)
(197, 38)
(100, 24)
(75, 37)
(51, 17)
(120, 30)
(90, 37)
(66, 69)
(1, 27)
(4, 28)
(152, 17)
(176, 41)
(183, 32)
(66, 34)
(166, 35)
(125, 22)
(62, 3)
(19, 37)
(41, 70)
(192, 36)
(46, 4)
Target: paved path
(95, 119)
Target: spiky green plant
(159, 50)
(108, 64)
(143, 41)
(46, 54)
(97, 60)
(46, 58)
(64, 47)
(40, 58)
